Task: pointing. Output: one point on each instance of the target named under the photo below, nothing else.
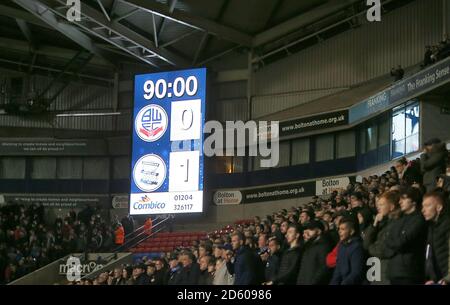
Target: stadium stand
(390, 216)
(103, 142)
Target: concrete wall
(435, 124)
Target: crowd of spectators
(432, 55)
(400, 219)
(397, 73)
(28, 242)
(436, 52)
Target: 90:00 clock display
(180, 87)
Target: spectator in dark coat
(275, 230)
(434, 210)
(244, 267)
(206, 278)
(408, 172)
(443, 182)
(375, 235)
(290, 260)
(356, 203)
(400, 72)
(128, 225)
(350, 259)
(433, 162)
(313, 268)
(140, 276)
(406, 240)
(190, 272)
(365, 219)
(272, 260)
(173, 274)
(160, 276)
(427, 57)
(397, 73)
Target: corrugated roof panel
(247, 16)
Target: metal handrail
(143, 233)
(122, 247)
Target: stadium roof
(164, 34)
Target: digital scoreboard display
(167, 142)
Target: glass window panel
(412, 143)
(300, 151)
(325, 147)
(43, 168)
(238, 164)
(372, 137)
(12, 168)
(345, 146)
(283, 153)
(70, 168)
(412, 120)
(362, 141)
(121, 168)
(384, 132)
(405, 129)
(96, 168)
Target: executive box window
(283, 155)
(362, 141)
(12, 168)
(405, 129)
(300, 151)
(384, 132)
(69, 168)
(121, 168)
(325, 147)
(238, 164)
(223, 164)
(43, 168)
(372, 137)
(96, 168)
(345, 144)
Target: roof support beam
(155, 34)
(38, 9)
(45, 68)
(206, 39)
(301, 20)
(103, 9)
(129, 37)
(22, 15)
(196, 22)
(27, 33)
(178, 38)
(172, 5)
(126, 15)
(200, 48)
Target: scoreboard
(167, 142)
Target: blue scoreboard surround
(167, 142)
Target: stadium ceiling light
(88, 114)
